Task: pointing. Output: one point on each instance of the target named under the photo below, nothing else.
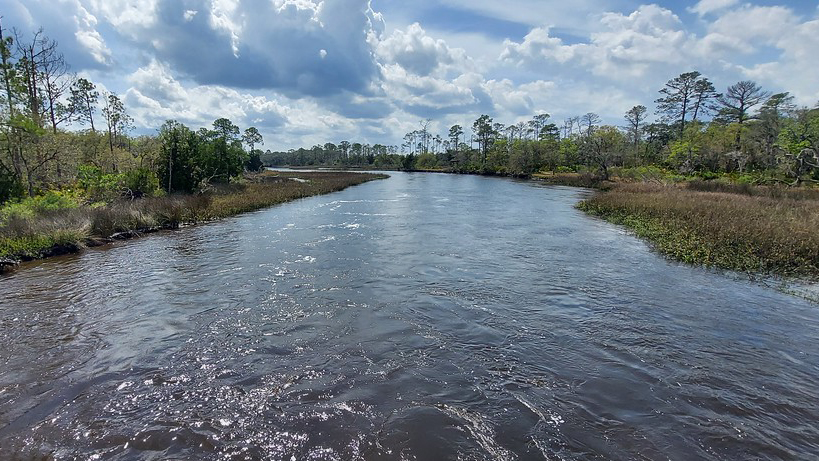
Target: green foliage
(10, 187)
(140, 182)
(29, 207)
(254, 162)
(99, 186)
(426, 161)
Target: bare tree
(590, 120)
(118, 121)
(55, 79)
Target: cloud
(704, 7)
(788, 72)
(624, 47)
(426, 96)
(155, 96)
(311, 70)
(88, 36)
(68, 22)
(417, 52)
(298, 47)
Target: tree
(226, 130)
(455, 134)
(83, 102)
(252, 137)
(482, 128)
(602, 148)
(179, 158)
(55, 80)
(704, 96)
(771, 117)
(345, 148)
(223, 156)
(425, 136)
(549, 132)
(118, 121)
(12, 97)
(736, 103)
(590, 120)
(537, 124)
(636, 117)
(799, 144)
(680, 96)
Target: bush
(140, 182)
(10, 187)
(708, 175)
(98, 186)
(641, 173)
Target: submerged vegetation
(59, 223)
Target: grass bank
(769, 230)
(34, 235)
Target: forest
(745, 132)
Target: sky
(307, 72)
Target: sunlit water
(420, 317)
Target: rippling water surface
(420, 317)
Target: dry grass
(757, 231)
(60, 231)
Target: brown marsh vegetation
(739, 227)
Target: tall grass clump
(752, 230)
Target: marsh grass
(31, 236)
(751, 230)
(587, 180)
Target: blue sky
(306, 71)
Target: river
(425, 316)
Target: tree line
(697, 131)
(58, 129)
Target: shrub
(10, 187)
(140, 182)
(98, 186)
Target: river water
(420, 317)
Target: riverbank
(758, 230)
(70, 230)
